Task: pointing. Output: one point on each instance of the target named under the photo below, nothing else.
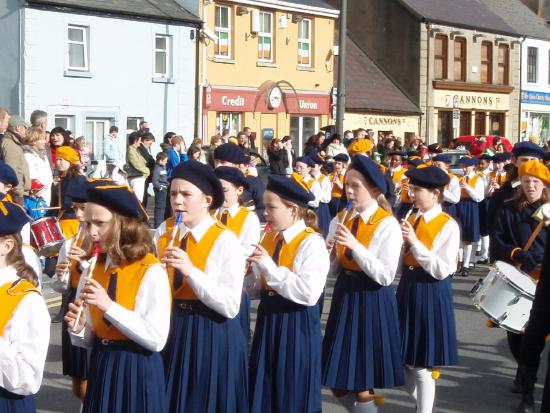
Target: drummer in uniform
(519, 234)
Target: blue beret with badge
(233, 175)
(500, 157)
(7, 175)
(435, 148)
(78, 191)
(203, 177)
(229, 152)
(528, 149)
(306, 160)
(429, 177)
(371, 171)
(443, 158)
(341, 157)
(118, 198)
(289, 189)
(468, 160)
(12, 218)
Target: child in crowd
(84, 151)
(160, 186)
(35, 203)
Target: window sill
(77, 73)
(223, 60)
(266, 64)
(305, 68)
(169, 80)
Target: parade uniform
(468, 207)
(323, 193)
(337, 195)
(451, 195)
(285, 362)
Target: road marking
(53, 302)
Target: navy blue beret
(233, 175)
(528, 149)
(203, 177)
(7, 174)
(78, 190)
(12, 218)
(307, 160)
(118, 198)
(500, 157)
(398, 153)
(370, 170)
(486, 157)
(289, 189)
(443, 158)
(428, 177)
(229, 152)
(317, 160)
(412, 153)
(435, 148)
(341, 157)
(468, 160)
(507, 155)
(415, 161)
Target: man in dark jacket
(144, 149)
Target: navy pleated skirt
(467, 211)
(125, 378)
(244, 315)
(484, 207)
(450, 209)
(285, 361)
(323, 218)
(205, 361)
(75, 359)
(426, 316)
(14, 403)
(335, 205)
(402, 210)
(361, 348)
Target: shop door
(465, 124)
(496, 125)
(230, 121)
(96, 130)
(479, 127)
(444, 127)
(301, 128)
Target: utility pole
(341, 93)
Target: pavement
(481, 384)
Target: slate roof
(369, 89)
(157, 9)
(520, 17)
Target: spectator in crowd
(84, 151)
(215, 141)
(413, 143)
(166, 141)
(276, 155)
(335, 147)
(143, 126)
(38, 162)
(39, 119)
(225, 135)
(176, 154)
(290, 155)
(14, 156)
(160, 186)
(194, 153)
(242, 141)
(314, 146)
(250, 138)
(58, 137)
(147, 139)
(197, 144)
(4, 119)
(35, 204)
(111, 146)
(137, 169)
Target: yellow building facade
(266, 65)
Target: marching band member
(361, 345)
(127, 315)
(243, 222)
(323, 194)
(434, 150)
(518, 221)
(285, 362)
(424, 295)
(497, 177)
(404, 204)
(451, 193)
(24, 319)
(396, 170)
(472, 192)
(484, 171)
(205, 358)
(337, 180)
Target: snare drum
(506, 296)
(47, 237)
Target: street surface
(479, 385)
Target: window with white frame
(64, 121)
(163, 55)
(222, 47)
(78, 53)
(304, 42)
(265, 37)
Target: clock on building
(275, 97)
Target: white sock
(348, 401)
(478, 246)
(461, 253)
(467, 255)
(425, 385)
(485, 247)
(365, 407)
(410, 382)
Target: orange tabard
(471, 182)
(11, 295)
(426, 233)
(235, 224)
(336, 192)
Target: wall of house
(10, 61)
(120, 81)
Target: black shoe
(517, 388)
(483, 261)
(465, 272)
(57, 318)
(525, 408)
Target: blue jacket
(174, 159)
(31, 203)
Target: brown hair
(300, 212)
(73, 171)
(380, 198)
(130, 240)
(16, 259)
(520, 200)
(34, 134)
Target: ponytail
(383, 203)
(308, 215)
(16, 259)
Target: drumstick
(75, 242)
(267, 230)
(174, 231)
(44, 208)
(90, 272)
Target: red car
(476, 144)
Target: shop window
(441, 57)
(539, 126)
(532, 59)
(222, 29)
(496, 123)
(465, 124)
(64, 121)
(265, 37)
(503, 64)
(163, 62)
(230, 121)
(96, 130)
(132, 125)
(304, 42)
(479, 123)
(460, 59)
(445, 127)
(78, 50)
(301, 128)
(486, 62)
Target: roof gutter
(292, 7)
